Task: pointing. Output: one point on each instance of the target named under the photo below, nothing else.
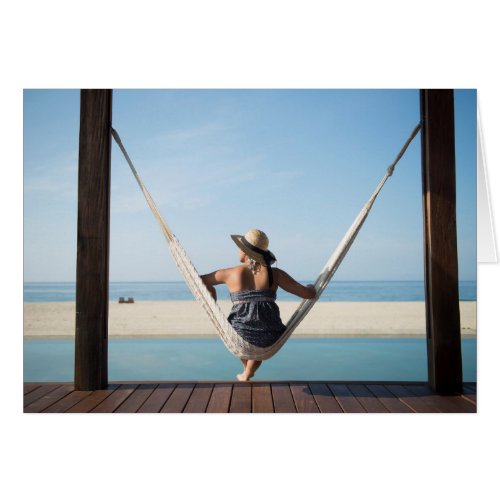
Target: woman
(252, 285)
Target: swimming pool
(208, 359)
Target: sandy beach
(187, 319)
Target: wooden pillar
(92, 268)
(444, 352)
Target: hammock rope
(229, 336)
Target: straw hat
(255, 244)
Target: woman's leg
(242, 376)
(250, 369)
(252, 366)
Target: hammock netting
(228, 334)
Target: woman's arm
(286, 282)
(216, 278)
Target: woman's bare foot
(244, 377)
(249, 371)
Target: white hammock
(230, 337)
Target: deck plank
(113, 401)
(199, 398)
(241, 401)
(282, 398)
(67, 402)
(136, 399)
(262, 399)
(324, 398)
(177, 401)
(304, 400)
(389, 400)
(346, 399)
(49, 399)
(471, 398)
(38, 393)
(469, 393)
(265, 396)
(220, 398)
(367, 399)
(28, 387)
(157, 399)
(444, 403)
(419, 404)
(95, 398)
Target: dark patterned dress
(256, 317)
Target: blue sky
(298, 164)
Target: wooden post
(92, 268)
(440, 240)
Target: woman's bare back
(240, 278)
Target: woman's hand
(314, 290)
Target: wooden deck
(244, 397)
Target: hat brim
(238, 239)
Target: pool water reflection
(208, 359)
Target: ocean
(347, 291)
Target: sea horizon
(337, 290)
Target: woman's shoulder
(277, 272)
(234, 271)
(240, 268)
(223, 275)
